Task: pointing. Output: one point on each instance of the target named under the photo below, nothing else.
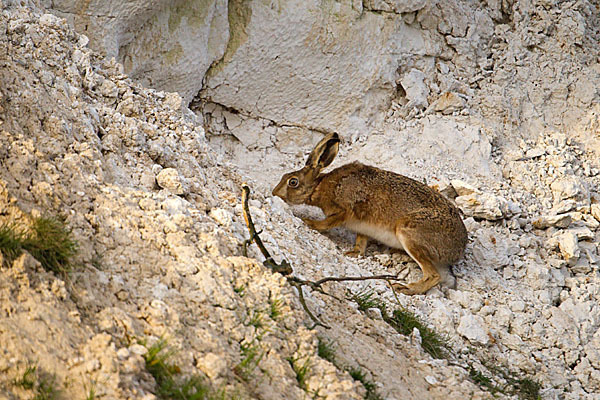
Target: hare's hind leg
(425, 256)
(360, 245)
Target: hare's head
(296, 187)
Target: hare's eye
(293, 182)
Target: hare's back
(363, 185)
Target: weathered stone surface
(483, 206)
(568, 244)
(346, 74)
(189, 36)
(473, 327)
(170, 179)
(557, 221)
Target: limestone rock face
(168, 45)
(325, 66)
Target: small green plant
(91, 391)
(46, 388)
(326, 351)
(43, 385)
(529, 389)
(275, 306)
(165, 373)
(358, 375)
(27, 380)
(256, 320)
(367, 300)
(524, 388)
(240, 290)
(11, 240)
(482, 380)
(301, 370)
(48, 241)
(251, 356)
(51, 244)
(404, 322)
(432, 342)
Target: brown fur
(399, 210)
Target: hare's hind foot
(426, 258)
(360, 246)
(419, 287)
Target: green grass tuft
(43, 385)
(404, 322)
(251, 356)
(528, 389)
(11, 240)
(524, 388)
(256, 320)
(46, 388)
(275, 306)
(358, 375)
(367, 300)
(326, 351)
(48, 241)
(28, 379)
(301, 370)
(432, 342)
(169, 385)
(51, 244)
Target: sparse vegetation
(524, 388)
(301, 370)
(326, 351)
(42, 384)
(166, 375)
(240, 290)
(256, 320)
(432, 342)
(275, 309)
(367, 300)
(404, 322)
(91, 391)
(358, 375)
(11, 240)
(251, 356)
(27, 380)
(48, 241)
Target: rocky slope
(157, 211)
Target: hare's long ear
(324, 152)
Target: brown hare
(391, 208)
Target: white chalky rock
(473, 327)
(595, 211)
(566, 188)
(557, 221)
(583, 233)
(169, 179)
(415, 87)
(462, 188)
(569, 247)
(485, 206)
(212, 365)
(222, 216)
(449, 103)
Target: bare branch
(284, 268)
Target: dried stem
(284, 268)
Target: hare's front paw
(311, 223)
